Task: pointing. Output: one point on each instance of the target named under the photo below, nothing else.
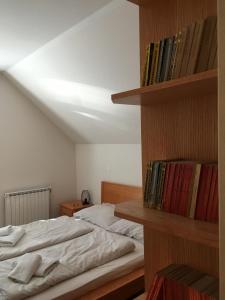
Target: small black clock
(85, 197)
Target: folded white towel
(25, 267)
(46, 266)
(5, 230)
(11, 240)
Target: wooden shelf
(201, 232)
(195, 85)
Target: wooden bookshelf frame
(204, 233)
(179, 119)
(199, 84)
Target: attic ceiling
(26, 25)
(72, 76)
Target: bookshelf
(204, 233)
(199, 84)
(179, 119)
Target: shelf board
(194, 85)
(201, 232)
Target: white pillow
(128, 228)
(101, 214)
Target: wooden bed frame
(128, 285)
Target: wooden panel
(177, 129)
(180, 130)
(166, 249)
(116, 193)
(221, 100)
(201, 232)
(196, 85)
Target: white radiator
(26, 206)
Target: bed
(120, 278)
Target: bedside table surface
(74, 204)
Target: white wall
(112, 162)
(33, 151)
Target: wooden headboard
(117, 193)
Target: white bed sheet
(96, 277)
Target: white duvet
(41, 234)
(76, 256)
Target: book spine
(173, 55)
(155, 173)
(165, 54)
(145, 71)
(200, 194)
(213, 50)
(178, 42)
(169, 188)
(156, 62)
(180, 52)
(161, 185)
(211, 194)
(215, 210)
(174, 192)
(187, 49)
(185, 193)
(146, 185)
(168, 58)
(159, 66)
(194, 191)
(195, 47)
(205, 178)
(150, 62)
(206, 43)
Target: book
(211, 203)
(173, 57)
(206, 43)
(153, 189)
(159, 193)
(179, 55)
(154, 63)
(183, 282)
(148, 178)
(202, 201)
(187, 50)
(151, 50)
(160, 59)
(195, 47)
(213, 50)
(194, 190)
(145, 71)
(168, 191)
(166, 58)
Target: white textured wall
(106, 162)
(33, 151)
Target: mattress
(96, 277)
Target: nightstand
(69, 208)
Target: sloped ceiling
(26, 25)
(72, 77)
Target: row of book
(192, 50)
(180, 282)
(185, 188)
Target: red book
(215, 209)
(156, 290)
(212, 193)
(185, 195)
(168, 190)
(203, 193)
(176, 182)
